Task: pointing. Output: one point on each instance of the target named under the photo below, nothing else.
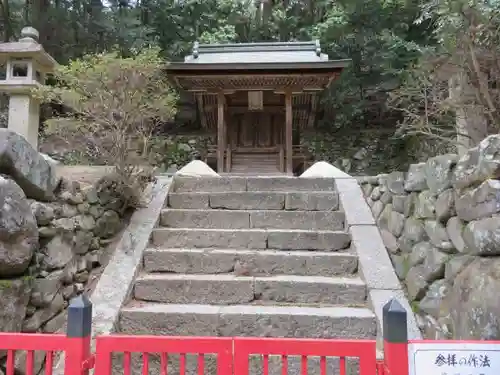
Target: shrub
(113, 101)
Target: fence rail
(233, 354)
(364, 350)
(106, 346)
(50, 344)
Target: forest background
(423, 78)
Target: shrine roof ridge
(256, 53)
(313, 46)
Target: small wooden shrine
(256, 98)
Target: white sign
(454, 358)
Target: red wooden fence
(146, 345)
(232, 354)
(364, 350)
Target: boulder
(473, 301)
(396, 223)
(386, 197)
(434, 265)
(425, 205)
(479, 202)
(400, 265)
(455, 265)
(377, 209)
(482, 237)
(415, 180)
(43, 212)
(395, 182)
(367, 189)
(41, 316)
(413, 233)
(45, 289)
(107, 225)
(419, 253)
(439, 172)
(18, 159)
(384, 217)
(18, 230)
(438, 236)
(50, 159)
(416, 283)
(15, 296)
(82, 241)
(432, 303)
(435, 329)
(376, 193)
(426, 270)
(390, 241)
(479, 163)
(58, 252)
(84, 222)
(90, 194)
(445, 207)
(402, 204)
(454, 228)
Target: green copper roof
(248, 53)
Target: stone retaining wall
(52, 235)
(440, 224)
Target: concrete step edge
(251, 239)
(335, 280)
(257, 210)
(333, 312)
(248, 218)
(251, 230)
(250, 262)
(308, 254)
(277, 192)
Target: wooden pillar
(288, 132)
(220, 132)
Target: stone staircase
(255, 163)
(236, 256)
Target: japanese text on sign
(470, 360)
(454, 358)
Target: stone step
(139, 318)
(226, 183)
(250, 239)
(248, 201)
(232, 289)
(241, 219)
(290, 184)
(242, 162)
(261, 161)
(255, 168)
(250, 262)
(257, 200)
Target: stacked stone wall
(53, 234)
(440, 223)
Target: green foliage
(384, 38)
(460, 75)
(103, 89)
(114, 101)
(177, 150)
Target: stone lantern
(27, 65)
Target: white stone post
(27, 64)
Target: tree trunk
(7, 25)
(471, 124)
